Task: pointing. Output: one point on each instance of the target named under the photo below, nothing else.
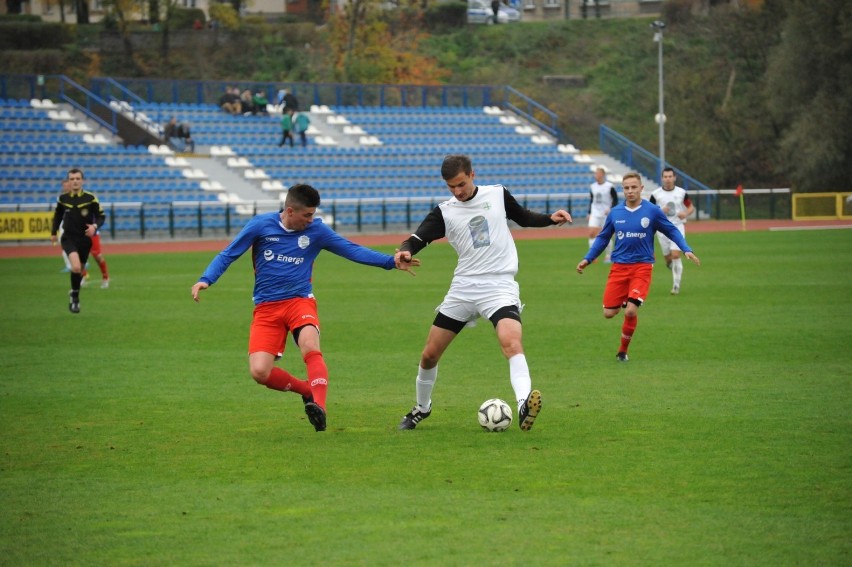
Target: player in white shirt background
(674, 201)
(602, 197)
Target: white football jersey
(601, 195)
(674, 200)
(479, 231)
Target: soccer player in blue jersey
(284, 246)
(475, 223)
(634, 224)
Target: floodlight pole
(658, 26)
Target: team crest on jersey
(304, 242)
(645, 222)
(84, 212)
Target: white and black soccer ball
(495, 415)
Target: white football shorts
(469, 298)
(666, 244)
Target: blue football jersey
(634, 231)
(284, 260)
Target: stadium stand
(375, 166)
(38, 148)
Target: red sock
(281, 380)
(317, 376)
(102, 265)
(627, 330)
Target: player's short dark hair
(75, 170)
(665, 169)
(455, 164)
(302, 196)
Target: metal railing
(641, 160)
(60, 88)
(201, 219)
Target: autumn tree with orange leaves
(366, 48)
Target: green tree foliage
(810, 94)
(759, 96)
(225, 15)
(716, 97)
(119, 17)
(28, 35)
(367, 44)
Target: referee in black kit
(80, 215)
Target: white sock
(677, 271)
(519, 374)
(424, 384)
(67, 261)
(591, 241)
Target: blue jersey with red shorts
(284, 260)
(634, 231)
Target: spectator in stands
(179, 136)
(284, 248)
(230, 101)
(495, 7)
(259, 101)
(286, 128)
(247, 101)
(287, 100)
(301, 121)
(81, 215)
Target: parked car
(479, 12)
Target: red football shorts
(272, 321)
(96, 245)
(627, 281)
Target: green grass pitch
(132, 434)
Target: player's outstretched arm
(582, 265)
(196, 289)
(693, 257)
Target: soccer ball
(495, 415)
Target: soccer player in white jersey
(474, 221)
(633, 223)
(676, 204)
(602, 197)
(283, 247)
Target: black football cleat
(529, 410)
